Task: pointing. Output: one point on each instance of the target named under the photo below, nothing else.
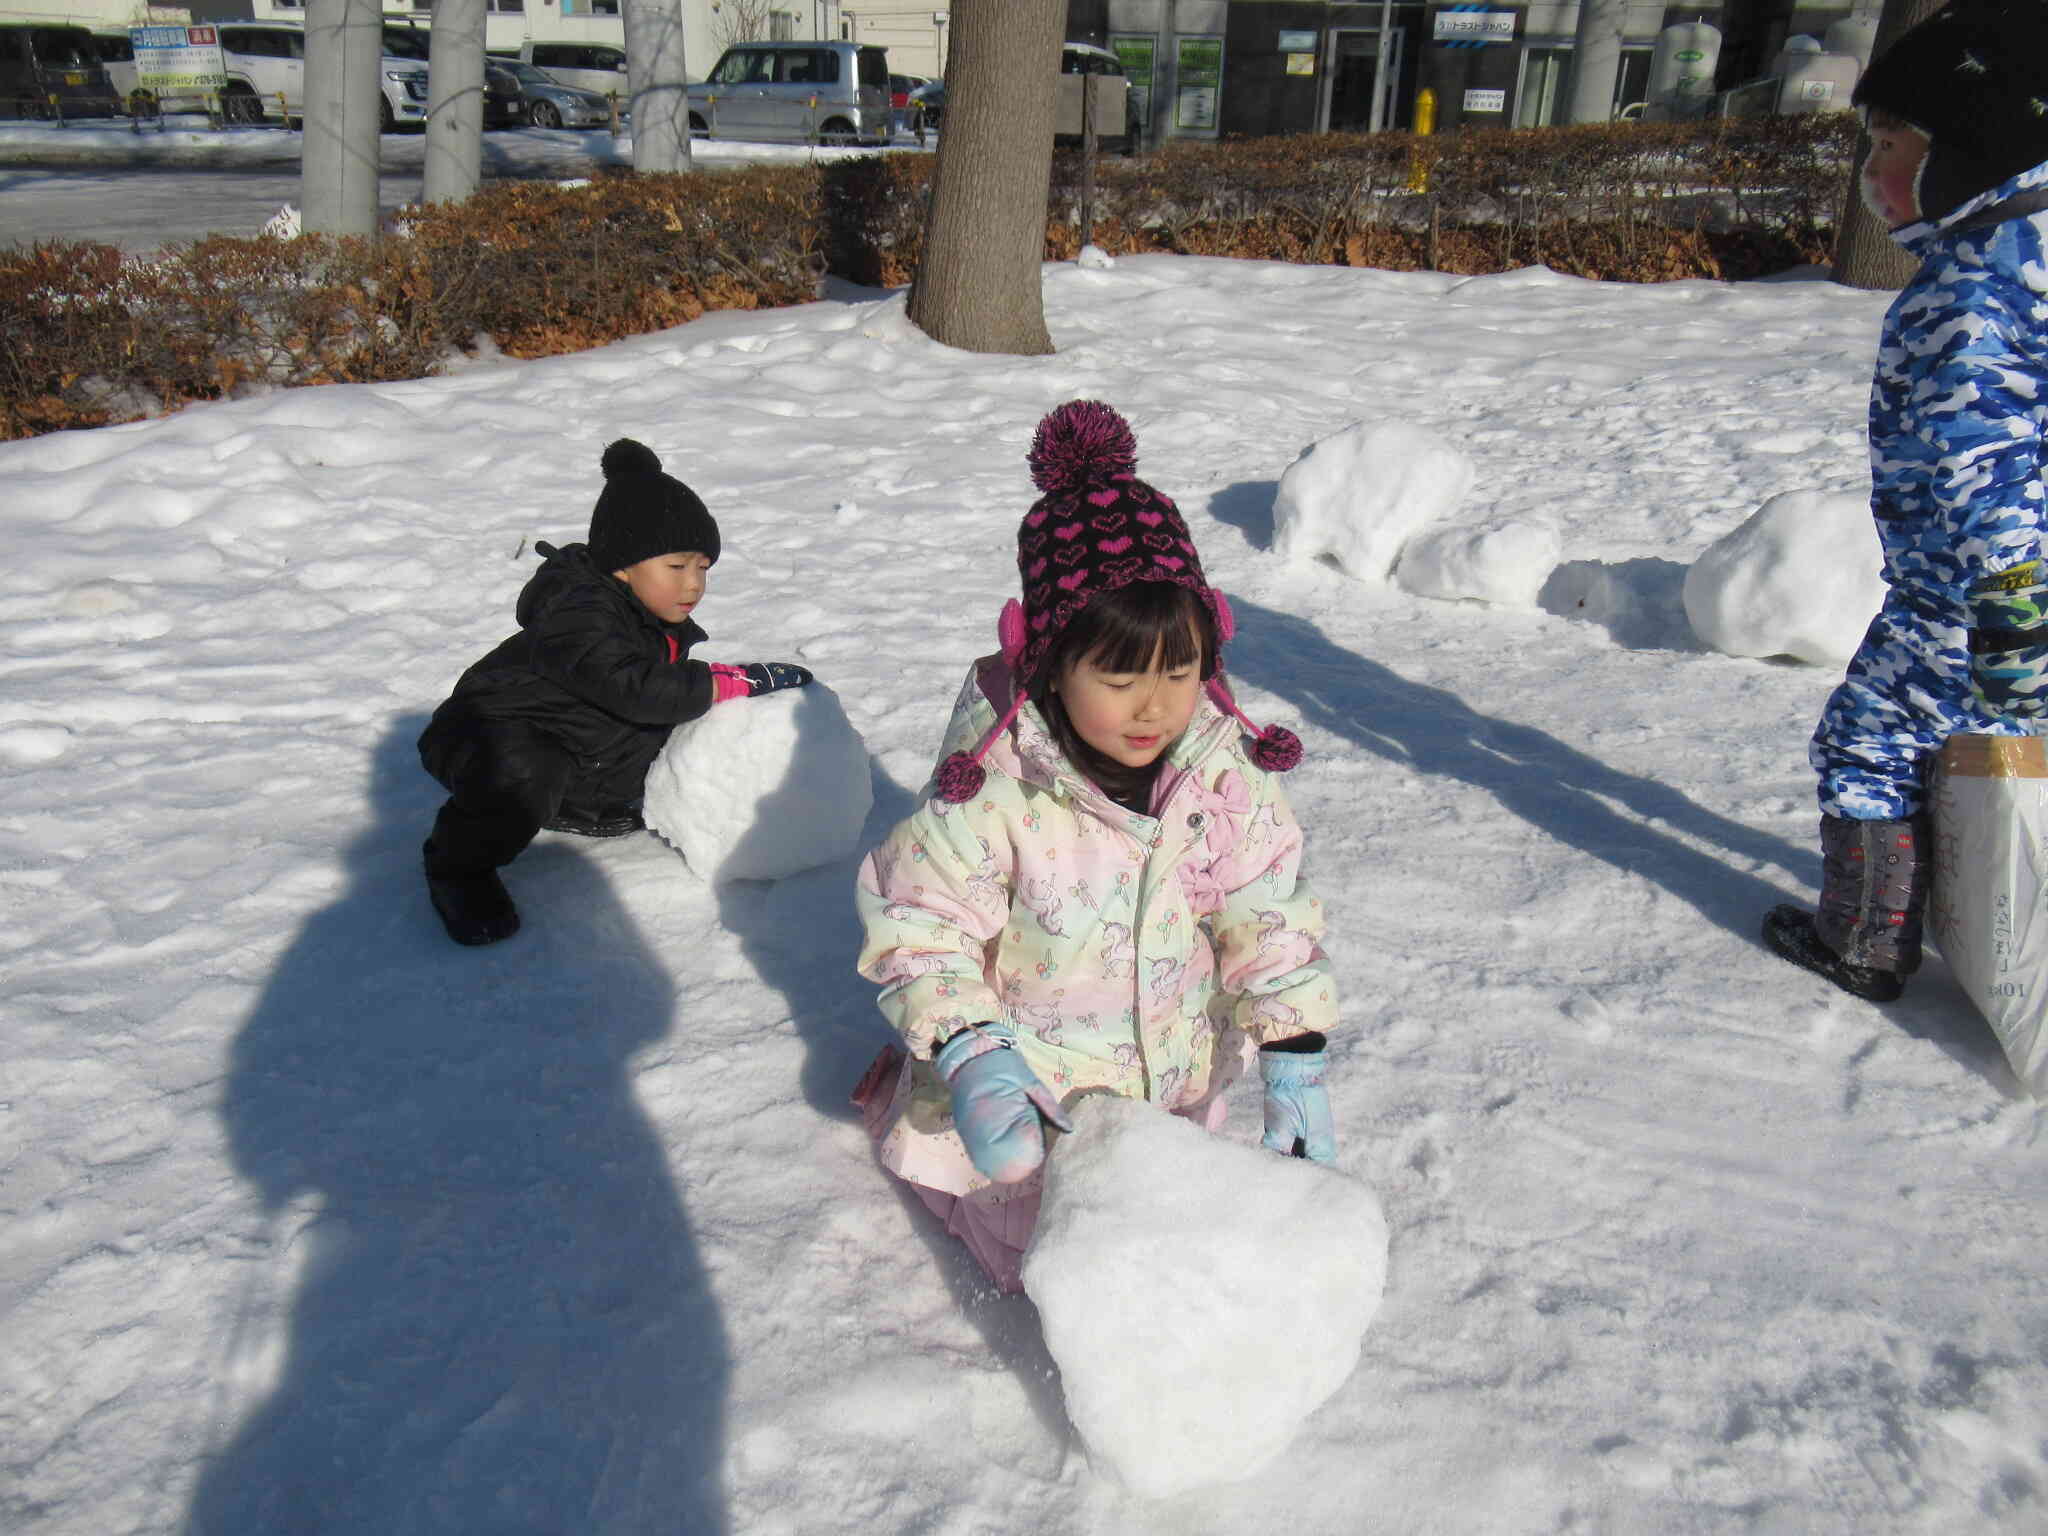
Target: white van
(594, 67)
(265, 62)
(819, 92)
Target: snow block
(1800, 578)
(1505, 563)
(758, 789)
(1201, 1297)
(1359, 495)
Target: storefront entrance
(1354, 101)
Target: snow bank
(1201, 1298)
(762, 788)
(1799, 578)
(1504, 563)
(1359, 495)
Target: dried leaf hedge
(537, 269)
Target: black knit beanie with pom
(642, 513)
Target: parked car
(816, 92)
(117, 58)
(504, 103)
(547, 103)
(593, 67)
(906, 113)
(1116, 114)
(929, 100)
(48, 70)
(265, 62)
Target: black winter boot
(1873, 890)
(1788, 930)
(475, 909)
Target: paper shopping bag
(1987, 911)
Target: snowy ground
(315, 1222)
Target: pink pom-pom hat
(1096, 528)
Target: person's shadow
(498, 1319)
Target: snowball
(1201, 1298)
(1506, 563)
(757, 789)
(1800, 578)
(1360, 494)
(1094, 258)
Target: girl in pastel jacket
(1101, 889)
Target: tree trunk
(455, 101)
(338, 163)
(1596, 59)
(978, 284)
(1866, 256)
(655, 84)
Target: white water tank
(1682, 64)
(1815, 82)
(1855, 36)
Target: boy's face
(1129, 717)
(1891, 169)
(668, 586)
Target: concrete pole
(1596, 59)
(338, 164)
(455, 101)
(655, 85)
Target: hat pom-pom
(1084, 442)
(627, 457)
(1277, 750)
(960, 778)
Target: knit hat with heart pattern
(1097, 528)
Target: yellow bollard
(1425, 125)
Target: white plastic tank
(1855, 36)
(1816, 82)
(1683, 62)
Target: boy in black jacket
(557, 727)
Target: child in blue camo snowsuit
(1957, 112)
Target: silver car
(546, 103)
(805, 93)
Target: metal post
(1087, 160)
(1382, 87)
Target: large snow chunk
(1505, 563)
(1201, 1298)
(1800, 578)
(1360, 494)
(757, 789)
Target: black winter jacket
(590, 668)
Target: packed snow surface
(1201, 1298)
(1799, 578)
(315, 1221)
(1357, 496)
(756, 789)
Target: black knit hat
(642, 513)
(1974, 78)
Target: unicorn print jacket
(1125, 950)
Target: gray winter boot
(1866, 936)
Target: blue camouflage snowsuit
(1958, 422)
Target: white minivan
(265, 62)
(806, 93)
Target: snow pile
(762, 788)
(1201, 1298)
(1504, 563)
(1799, 578)
(1359, 495)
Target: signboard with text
(1472, 27)
(174, 60)
(1197, 82)
(1137, 54)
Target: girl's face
(1130, 717)
(668, 586)
(1890, 171)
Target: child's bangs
(1123, 631)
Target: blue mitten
(1298, 1119)
(997, 1102)
(2009, 643)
